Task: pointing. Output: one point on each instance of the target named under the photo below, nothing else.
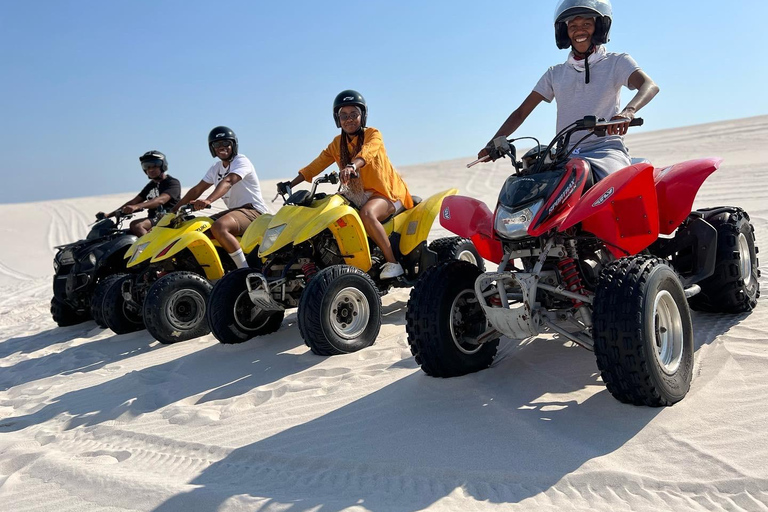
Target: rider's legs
(230, 224)
(141, 227)
(375, 210)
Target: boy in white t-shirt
(588, 83)
(236, 184)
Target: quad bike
(612, 268)
(314, 254)
(171, 268)
(80, 266)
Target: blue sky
(87, 86)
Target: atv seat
(416, 200)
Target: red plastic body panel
(621, 209)
(676, 188)
(471, 218)
(565, 197)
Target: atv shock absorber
(309, 269)
(571, 278)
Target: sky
(87, 86)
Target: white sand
(94, 421)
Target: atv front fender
(347, 228)
(254, 234)
(202, 249)
(415, 224)
(621, 209)
(471, 218)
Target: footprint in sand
(104, 457)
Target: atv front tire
(174, 309)
(119, 315)
(642, 332)
(457, 248)
(443, 320)
(64, 315)
(232, 317)
(339, 311)
(97, 299)
(734, 286)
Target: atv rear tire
(119, 315)
(232, 316)
(339, 311)
(174, 309)
(457, 248)
(642, 332)
(97, 299)
(734, 287)
(443, 318)
(64, 315)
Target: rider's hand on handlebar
(101, 216)
(350, 171)
(199, 204)
(490, 151)
(621, 129)
(128, 209)
(284, 187)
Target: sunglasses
(221, 144)
(347, 117)
(151, 165)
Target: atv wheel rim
(467, 256)
(667, 332)
(463, 310)
(349, 313)
(185, 309)
(745, 260)
(247, 316)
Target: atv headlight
(515, 224)
(139, 250)
(271, 236)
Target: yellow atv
(317, 257)
(171, 269)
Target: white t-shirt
(576, 99)
(245, 191)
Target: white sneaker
(390, 270)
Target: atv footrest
(260, 293)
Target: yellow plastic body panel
(255, 232)
(415, 224)
(190, 234)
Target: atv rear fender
(415, 224)
(676, 188)
(202, 249)
(471, 218)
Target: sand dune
(90, 420)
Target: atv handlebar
(504, 147)
(331, 177)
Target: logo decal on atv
(608, 193)
(447, 214)
(563, 195)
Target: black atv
(82, 266)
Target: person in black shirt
(163, 190)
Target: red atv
(612, 265)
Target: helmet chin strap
(585, 55)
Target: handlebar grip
(638, 121)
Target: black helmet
(568, 9)
(153, 158)
(222, 133)
(350, 97)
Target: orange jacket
(378, 174)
